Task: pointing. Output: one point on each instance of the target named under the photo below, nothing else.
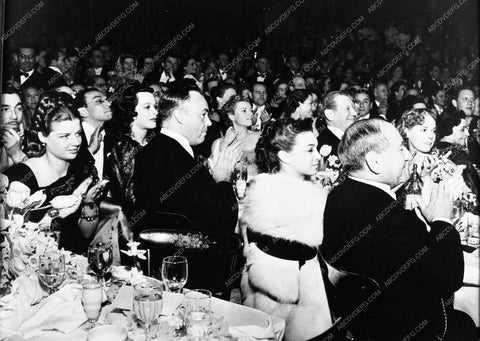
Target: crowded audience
(170, 134)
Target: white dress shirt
(98, 71)
(99, 155)
(24, 78)
(182, 140)
(335, 131)
(164, 78)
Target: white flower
(325, 150)
(17, 194)
(134, 251)
(64, 201)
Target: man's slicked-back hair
(176, 95)
(361, 138)
(329, 101)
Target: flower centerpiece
(134, 275)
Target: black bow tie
(262, 75)
(24, 74)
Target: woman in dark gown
(58, 173)
(135, 122)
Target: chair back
(350, 297)
(212, 267)
(159, 219)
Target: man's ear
(83, 112)
(373, 162)
(178, 115)
(329, 114)
(284, 156)
(42, 137)
(454, 102)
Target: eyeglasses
(25, 56)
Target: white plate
(107, 332)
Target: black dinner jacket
(367, 232)
(269, 80)
(167, 178)
(37, 79)
(328, 138)
(53, 78)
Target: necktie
(24, 74)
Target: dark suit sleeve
(441, 267)
(167, 182)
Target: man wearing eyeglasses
(25, 74)
(95, 110)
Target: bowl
(107, 332)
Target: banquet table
(467, 299)
(240, 319)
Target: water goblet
(92, 295)
(51, 270)
(174, 273)
(147, 304)
(100, 258)
(197, 311)
(241, 177)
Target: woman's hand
(68, 204)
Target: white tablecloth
(467, 299)
(235, 315)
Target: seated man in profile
(168, 178)
(367, 231)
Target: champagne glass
(174, 273)
(147, 304)
(197, 308)
(100, 257)
(241, 177)
(51, 270)
(92, 295)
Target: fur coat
(291, 209)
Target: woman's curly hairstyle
(277, 136)
(124, 110)
(229, 109)
(412, 118)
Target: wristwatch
(53, 213)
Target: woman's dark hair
(124, 111)
(229, 109)
(49, 101)
(293, 101)
(184, 62)
(219, 91)
(447, 120)
(277, 136)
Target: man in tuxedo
(292, 68)
(97, 62)
(26, 75)
(168, 177)
(339, 113)
(363, 104)
(259, 105)
(418, 262)
(261, 73)
(94, 108)
(56, 61)
(433, 80)
(169, 66)
(380, 100)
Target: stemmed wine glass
(92, 295)
(51, 270)
(241, 178)
(100, 257)
(147, 304)
(174, 273)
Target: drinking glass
(92, 295)
(241, 177)
(174, 273)
(100, 257)
(147, 304)
(197, 309)
(51, 270)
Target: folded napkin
(62, 311)
(254, 332)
